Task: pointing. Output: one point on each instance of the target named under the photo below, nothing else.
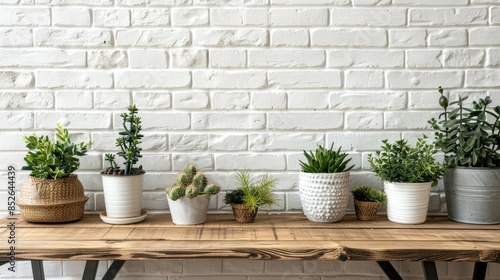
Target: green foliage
(128, 142)
(191, 183)
(52, 160)
(254, 194)
(325, 161)
(364, 193)
(469, 137)
(399, 162)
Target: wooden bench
(271, 237)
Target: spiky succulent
(190, 183)
(364, 193)
(325, 160)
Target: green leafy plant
(254, 194)
(399, 162)
(53, 159)
(191, 183)
(469, 137)
(128, 142)
(325, 161)
(364, 193)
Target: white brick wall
(239, 84)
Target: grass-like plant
(365, 193)
(49, 159)
(400, 162)
(325, 160)
(254, 194)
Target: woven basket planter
(243, 213)
(52, 201)
(366, 210)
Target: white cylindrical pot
(407, 203)
(324, 196)
(123, 195)
(189, 211)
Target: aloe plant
(326, 161)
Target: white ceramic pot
(123, 195)
(407, 203)
(189, 211)
(324, 196)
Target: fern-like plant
(364, 193)
(325, 160)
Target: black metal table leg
(37, 268)
(479, 271)
(389, 270)
(113, 270)
(90, 270)
(2, 263)
(430, 271)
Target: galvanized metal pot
(473, 195)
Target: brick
(289, 38)
(484, 36)
(448, 17)
(189, 58)
(147, 59)
(464, 58)
(368, 100)
(67, 100)
(13, 141)
(190, 100)
(231, 2)
(155, 162)
(269, 100)
(163, 267)
(42, 58)
(364, 120)
(188, 142)
(12, 79)
(364, 79)
(16, 37)
(349, 38)
(91, 161)
(308, 99)
(366, 58)
(16, 16)
(203, 266)
(230, 100)
(424, 100)
(263, 162)
(305, 121)
(495, 15)
(493, 57)
(485, 2)
(74, 79)
(153, 38)
(356, 141)
(154, 200)
(371, 2)
(310, 2)
(201, 161)
(107, 59)
(152, 79)
(298, 17)
(153, 2)
(111, 18)
(26, 100)
(73, 38)
(106, 141)
(71, 17)
(225, 142)
(448, 38)
(16, 120)
(415, 268)
(431, 2)
(368, 17)
(424, 59)
(227, 58)
(229, 120)
(424, 79)
(70, 120)
(150, 17)
(286, 141)
(229, 79)
(305, 79)
(483, 78)
(408, 120)
(286, 58)
(189, 16)
(76, 2)
(152, 100)
(238, 17)
(293, 203)
(111, 99)
(230, 37)
(407, 38)
(242, 266)
(160, 121)
(313, 267)
(284, 267)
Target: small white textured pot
(123, 195)
(189, 211)
(407, 203)
(324, 196)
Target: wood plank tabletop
(281, 237)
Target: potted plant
(250, 196)
(189, 196)
(123, 184)
(408, 174)
(470, 138)
(367, 201)
(52, 193)
(324, 184)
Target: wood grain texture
(271, 237)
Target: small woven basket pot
(243, 213)
(366, 210)
(52, 201)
